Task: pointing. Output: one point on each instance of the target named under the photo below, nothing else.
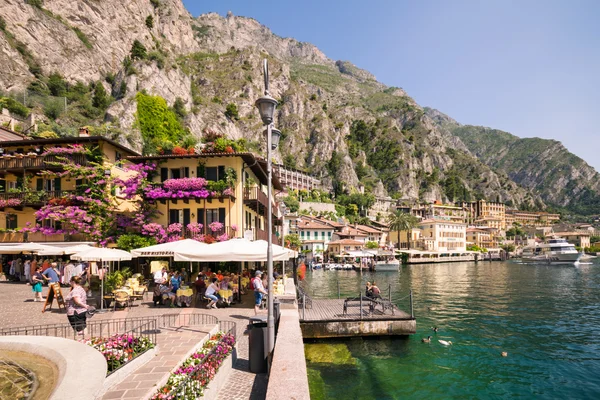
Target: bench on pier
(357, 302)
(385, 304)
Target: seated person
(199, 284)
(376, 293)
(168, 294)
(175, 281)
(369, 290)
(212, 293)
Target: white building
(443, 236)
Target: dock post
(360, 296)
(389, 291)
(338, 284)
(303, 306)
(412, 312)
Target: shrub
(35, 3)
(155, 3)
(313, 97)
(14, 107)
(138, 50)
(157, 122)
(217, 100)
(158, 57)
(57, 85)
(82, 36)
(231, 111)
(100, 99)
(150, 21)
(179, 108)
(54, 108)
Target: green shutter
(39, 184)
(164, 174)
(57, 184)
(2, 185)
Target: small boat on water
(554, 251)
(386, 262)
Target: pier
(353, 317)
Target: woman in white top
(211, 293)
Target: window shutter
(186, 172)
(78, 183)
(222, 215)
(200, 215)
(39, 184)
(221, 172)
(2, 185)
(164, 174)
(19, 182)
(173, 216)
(199, 172)
(57, 184)
(186, 217)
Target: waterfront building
(340, 248)
(240, 207)
(578, 238)
(315, 236)
(442, 236)
(484, 238)
(296, 179)
(483, 210)
(446, 212)
(531, 218)
(24, 188)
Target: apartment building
(241, 208)
(489, 213)
(442, 236)
(530, 218)
(483, 238)
(295, 179)
(24, 188)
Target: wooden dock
(325, 318)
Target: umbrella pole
(102, 310)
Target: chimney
(84, 131)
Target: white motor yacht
(554, 251)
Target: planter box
(119, 375)
(40, 237)
(11, 237)
(211, 392)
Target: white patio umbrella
(168, 249)
(58, 251)
(102, 254)
(19, 248)
(235, 250)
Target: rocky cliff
(338, 122)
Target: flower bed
(192, 377)
(10, 203)
(119, 349)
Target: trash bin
(276, 313)
(257, 344)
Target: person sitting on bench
(375, 292)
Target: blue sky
(531, 68)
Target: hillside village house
(241, 210)
(23, 190)
(442, 236)
(315, 236)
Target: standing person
(76, 302)
(33, 266)
(36, 281)
(27, 270)
(211, 293)
(259, 291)
(51, 274)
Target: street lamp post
(266, 106)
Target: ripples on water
(547, 317)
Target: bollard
(303, 306)
(360, 296)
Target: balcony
(206, 231)
(38, 237)
(34, 198)
(255, 199)
(21, 162)
(259, 234)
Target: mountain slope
(338, 122)
(545, 166)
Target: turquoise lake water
(547, 317)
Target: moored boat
(554, 251)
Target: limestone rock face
(211, 61)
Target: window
(302, 234)
(11, 221)
(215, 173)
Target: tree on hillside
(100, 99)
(138, 51)
(400, 221)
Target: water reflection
(546, 317)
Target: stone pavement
(17, 308)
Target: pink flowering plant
(119, 349)
(183, 188)
(10, 203)
(215, 226)
(190, 379)
(64, 151)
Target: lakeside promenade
(18, 309)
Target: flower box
(118, 350)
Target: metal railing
(139, 327)
(35, 197)
(24, 161)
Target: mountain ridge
(338, 121)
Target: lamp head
(275, 137)
(266, 107)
